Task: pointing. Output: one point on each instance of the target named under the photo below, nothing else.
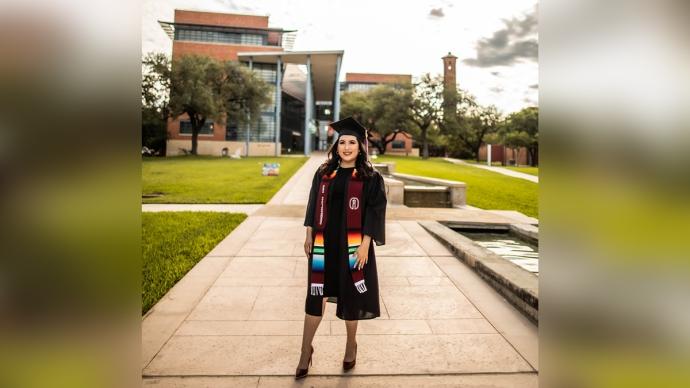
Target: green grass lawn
(173, 242)
(208, 179)
(485, 189)
(526, 170)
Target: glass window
(265, 128)
(186, 128)
(266, 71)
(262, 131)
(357, 87)
(253, 39)
(231, 132)
(398, 144)
(230, 37)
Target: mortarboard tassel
(366, 143)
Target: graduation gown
(338, 284)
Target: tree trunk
(533, 156)
(165, 113)
(195, 135)
(425, 142)
(385, 142)
(195, 132)
(379, 146)
(197, 124)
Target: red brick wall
(498, 152)
(174, 130)
(401, 136)
(378, 78)
(220, 19)
(449, 74)
(220, 51)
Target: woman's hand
(308, 242)
(362, 253)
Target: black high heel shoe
(301, 373)
(347, 365)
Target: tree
(485, 120)
(155, 93)
(438, 142)
(524, 125)
(245, 94)
(516, 140)
(204, 88)
(472, 122)
(384, 109)
(427, 107)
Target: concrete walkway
(500, 170)
(236, 318)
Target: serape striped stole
(353, 215)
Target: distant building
(362, 82)
(505, 155)
(291, 123)
(402, 145)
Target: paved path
(236, 318)
(500, 170)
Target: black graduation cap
(350, 126)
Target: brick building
(365, 81)
(402, 145)
(291, 123)
(505, 155)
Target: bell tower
(449, 86)
(449, 71)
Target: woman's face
(348, 148)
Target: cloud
(495, 73)
(535, 86)
(515, 42)
(496, 89)
(233, 6)
(436, 12)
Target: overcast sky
(495, 40)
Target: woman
(346, 212)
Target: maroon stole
(354, 232)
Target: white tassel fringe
(361, 287)
(317, 289)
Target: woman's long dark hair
(362, 165)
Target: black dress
(338, 284)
